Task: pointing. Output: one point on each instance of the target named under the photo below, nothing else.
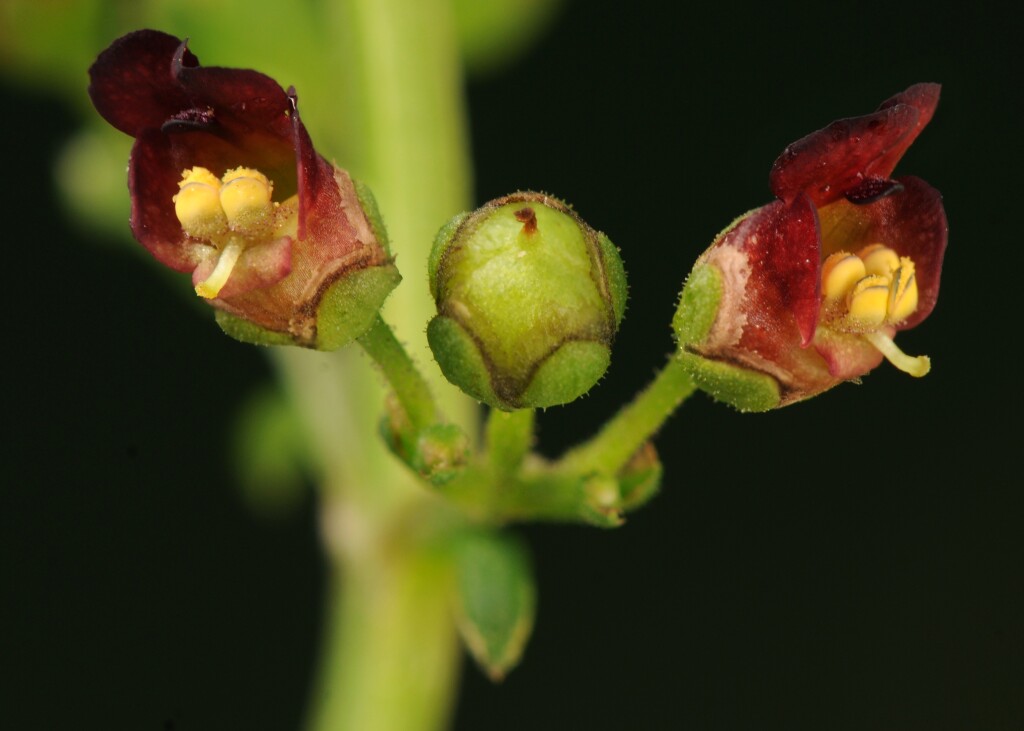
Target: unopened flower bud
(529, 298)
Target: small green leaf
(496, 599)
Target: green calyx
(529, 299)
(346, 311)
(350, 306)
(698, 305)
(731, 383)
(739, 387)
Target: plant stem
(405, 379)
(390, 657)
(610, 449)
(387, 658)
(509, 438)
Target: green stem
(390, 660)
(610, 449)
(405, 379)
(386, 618)
(509, 439)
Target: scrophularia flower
(225, 184)
(810, 290)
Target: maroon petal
(871, 190)
(132, 82)
(246, 108)
(319, 198)
(828, 163)
(783, 248)
(912, 222)
(922, 97)
(153, 177)
(918, 221)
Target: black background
(849, 563)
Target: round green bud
(529, 299)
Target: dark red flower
(809, 291)
(225, 184)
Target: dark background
(849, 563)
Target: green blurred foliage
(494, 33)
(271, 455)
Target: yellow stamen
(902, 292)
(916, 366)
(212, 285)
(868, 301)
(230, 214)
(199, 175)
(245, 198)
(879, 259)
(197, 204)
(840, 272)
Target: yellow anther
(868, 301)
(245, 198)
(902, 292)
(199, 175)
(197, 204)
(840, 272)
(236, 173)
(879, 259)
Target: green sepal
(698, 305)
(739, 387)
(350, 306)
(495, 598)
(461, 361)
(248, 332)
(615, 273)
(442, 241)
(368, 202)
(566, 374)
(742, 388)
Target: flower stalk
(623, 435)
(401, 373)
(509, 439)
